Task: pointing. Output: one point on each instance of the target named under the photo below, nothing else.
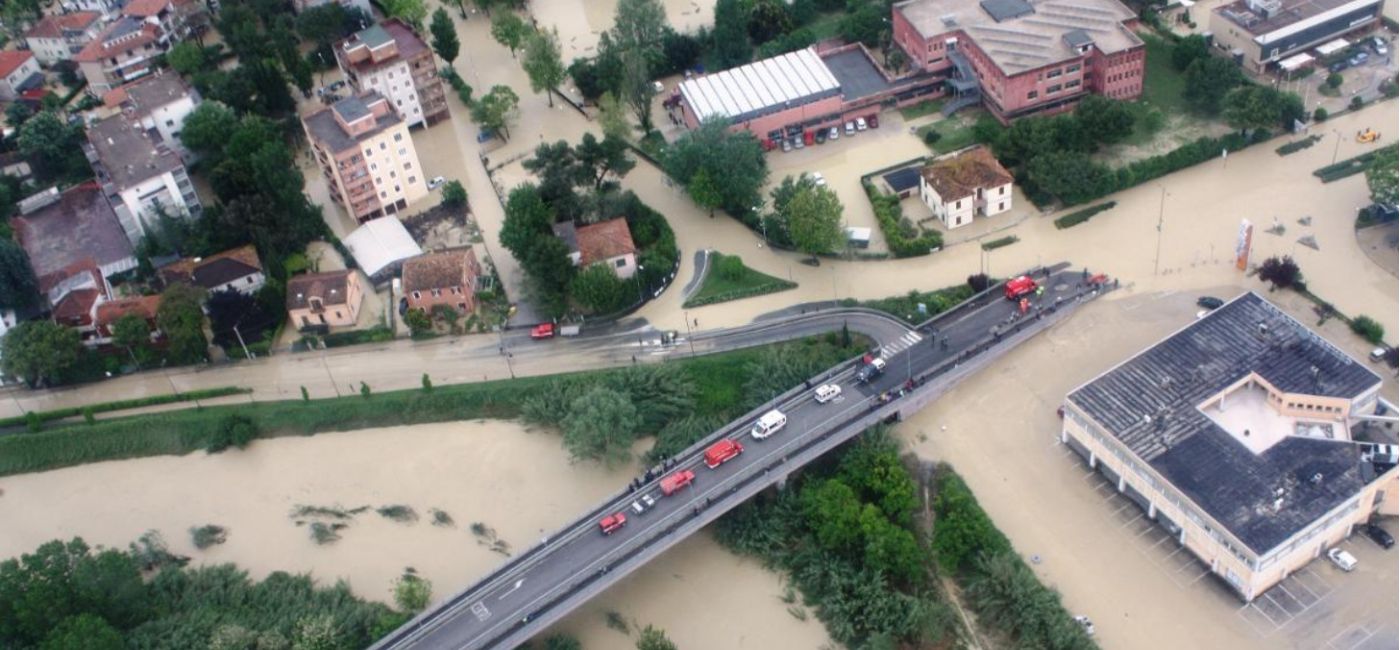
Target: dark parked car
(1338, 66)
(1378, 535)
(1209, 302)
(1359, 58)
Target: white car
(819, 179)
(860, 124)
(835, 134)
(827, 392)
(643, 504)
(436, 182)
(1344, 560)
(850, 128)
(787, 145)
(771, 422)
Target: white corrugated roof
(759, 85)
(381, 242)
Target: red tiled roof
(11, 60)
(604, 240)
(53, 26)
(143, 306)
(331, 287)
(75, 309)
(99, 49)
(958, 177)
(439, 270)
(144, 8)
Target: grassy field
(922, 108)
(1162, 90)
(719, 380)
(728, 279)
(955, 132)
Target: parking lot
(1095, 546)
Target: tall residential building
(1260, 32)
(19, 71)
(390, 59)
(124, 51)
(140, 175)
(365, 152)
(1019, 58)
(159, 103)
(59, 37)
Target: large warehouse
(793, 95)
(1236, 434)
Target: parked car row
(821, 136)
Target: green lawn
(1163, 86)
(956, 132)
(922, 108)
(728, 279)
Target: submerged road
(541, 585)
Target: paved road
(400, 364)
(538, 586)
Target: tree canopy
(601, 425)
(444, 32)
(543, 63)
(18, 287)
(496, 109)
(40, 352)
(181, 317)
(509, 29)
(813, 219)
(1380, 176)
(1208, 81)
(731, 39)
(732, 161)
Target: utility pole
(688, 337)
(327, 366)
(1338, 147)
(238, 334)
(1161, 214)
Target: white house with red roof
(19, 71)
(59, 37)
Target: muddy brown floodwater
(531, 488)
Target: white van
(771, 422)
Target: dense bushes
(1074, 178)
(377, 334)
(997, 584)
(65, 595)
(1356, 165)
(1367, 328)
(903, 238)
(843, 534)
(934, 302)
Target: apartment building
(176, 19)
(1259, 33)
(19, 71)
(159, 103)
(1019, 58)
(1242, 435)
(59, 37)
(365, 152)
(960, 185)
(393, 61)
(141, 176)
(125, 50)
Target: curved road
(565, 569)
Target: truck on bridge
(676, 482)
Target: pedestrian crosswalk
(904, 343)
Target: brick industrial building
(1244, 435)
(1018, 58)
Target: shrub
(1080, 216)
(979, 282)
(427, 383)
(1282, 272)
(208, 535)
(1368, 329)
(998, 243)
(233, 430)
(932, 136)
(454, 195)
(730, 267)
(399, 513)
(1356, 103)
(1334, 80)
(902, 237)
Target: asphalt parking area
(1318, 606)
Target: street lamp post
(689, 338)
(1338, 147)
(1161, 214)
(329, 376)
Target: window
(337, 313)
(170, 122)
(374, 167)
(1032, 94)
(397, 188)
(1001, 206)
(413, 179)
(417, 295)
(1072, 83)
(1052, 89)
(621, 262)
(1002, 191)
(393, 174)
(437, 293)
(383, 146)
(383, 195)
(1054, 73)
(1073, 68)
(398, 137)
(369, 152)
(408, 165)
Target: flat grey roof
(1289, 13)
(1151, 404)
(127, 153)
(1001, 10)
(743, 92)
(1026, 41)
(856, 74)
(903, 179)
(324, 129)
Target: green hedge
(1299, 145)
(903, 238)
(906, 307)
(377, 334)
(998, 243)
(1080, 216)
(1350, 166)
(122, 405)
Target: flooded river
(531, 488)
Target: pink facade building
(1020, 59)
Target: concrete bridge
(543, 584)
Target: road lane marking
(479, 609)
(512, 589)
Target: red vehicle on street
(612, 522)
(722, 451)
(676, 482)
(542, 331)
(873, 120)
(1017, 287)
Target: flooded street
(531, 489)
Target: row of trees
(68, 596)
